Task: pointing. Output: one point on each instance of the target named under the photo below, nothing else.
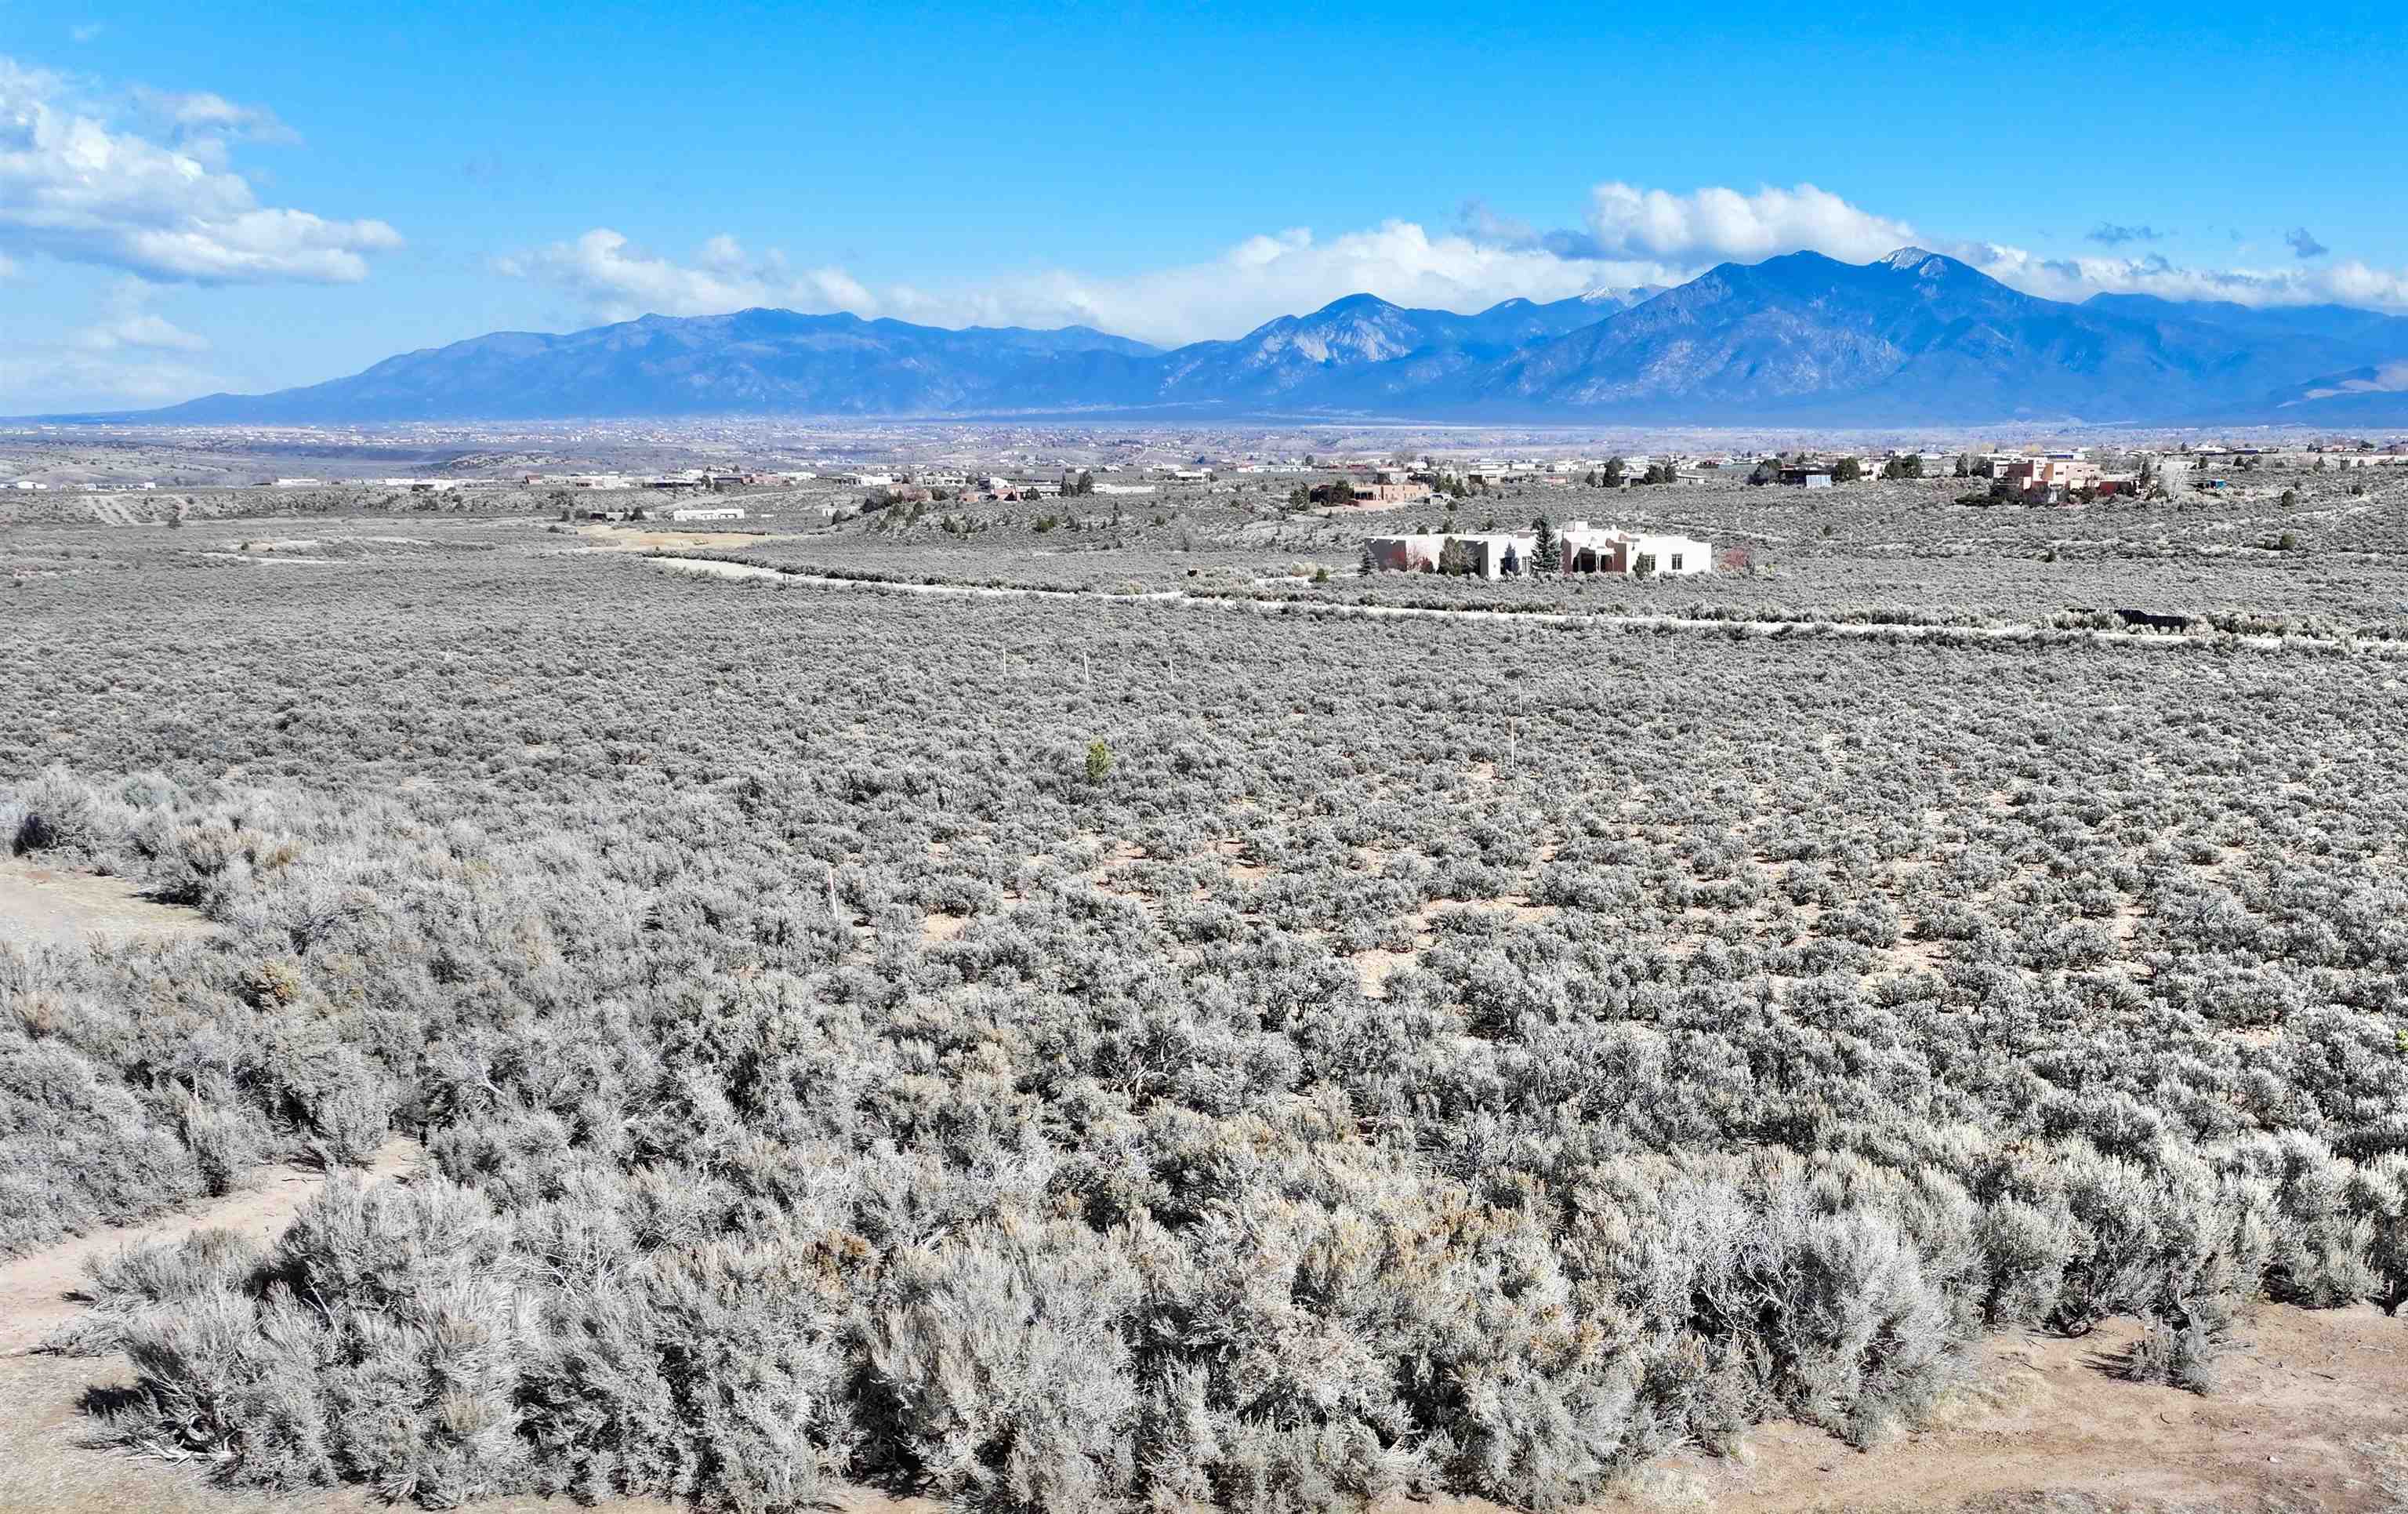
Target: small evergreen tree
(1616, 470)
(1549, 556)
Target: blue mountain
(1914, 337)
(1910, 339)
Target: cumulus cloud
(1714, 225)
(199, 117)
(1251, 282)
(2302, 245)
(61, 376)
(76, 187)
(1632, 237)
(129, 326)
(617, 281)
(145, 331)
(2110, 233)
(2348, 281)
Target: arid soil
(2310, 1413)
(636, 538)
(40, 904)
(41, 1464)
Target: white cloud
(2348, 281)
(617, 281)
(1634, 235)
(75, 188)
(129, 355)
(1714, 225)
(1253, 280)
(200, 113)
(51, 379)
(142, 331)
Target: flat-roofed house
(1588, 549)
(1405, 553)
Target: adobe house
(1474, 554)
(1405, 553)
(1588, 549)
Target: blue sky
(195, 198)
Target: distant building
(1493, 553)
(1405, 553)
(1806, 478)
(1588, 549)
(2051, 475)
(1489, 554)
(1585, 549)
(1382, 493)
(708, 512)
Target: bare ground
(637, 539)
(2310, 1413)
(46, 905)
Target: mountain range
(1913, 337)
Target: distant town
(993, 463)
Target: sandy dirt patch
(2307, 1416)
(41, 905)
(44, 1468)
(40, 1419)
(1378, 965)
(637, 539)
(33, 1287)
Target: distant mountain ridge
(1913, 337)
